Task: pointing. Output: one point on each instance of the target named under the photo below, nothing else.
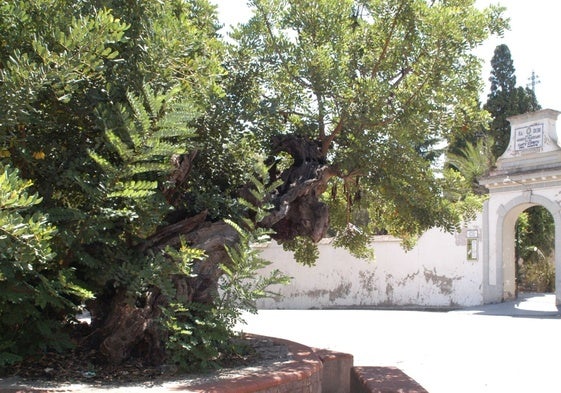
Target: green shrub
(200, 334)
(537, 275)
(34, 290)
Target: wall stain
(367, 280)
(389, 288)
(342, 290)
(315, 293)
(443, 283)
(410, 277)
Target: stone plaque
(529, 137)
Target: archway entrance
(534, 251)
(527, 263)
(528, 174)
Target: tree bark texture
(298, 209)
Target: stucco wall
(436, 273)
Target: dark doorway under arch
(534, 251)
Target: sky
(533, 40)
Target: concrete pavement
(509, 347)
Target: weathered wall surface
(436, 273)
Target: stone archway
(526, 175)
(505, 238)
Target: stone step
(383, 380)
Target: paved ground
(509, 347)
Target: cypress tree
(505, 99)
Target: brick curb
(302, 373)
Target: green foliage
(356, 240)
(305, 251)
(474, 161)
(31, 282)
(537, 275)
(379, 90)
(83, 117)
(535, 246)
(200, 334)
(537, 229)
(135, 166)
(448, 201)
(198, 337)
(197, 333)
(24, 238)
(56, 83)
(244, 282)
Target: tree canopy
(374, 84)
(154, 153)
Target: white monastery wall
(436, 273)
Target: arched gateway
(527, 174)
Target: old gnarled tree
(344, 100)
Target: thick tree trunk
(125, 327)
(298, 209)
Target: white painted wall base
(436, 273)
